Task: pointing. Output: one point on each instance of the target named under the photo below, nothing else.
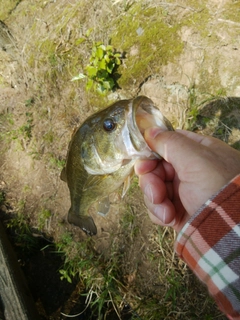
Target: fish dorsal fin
(63, 175)
(103, 206)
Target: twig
(229, 21)
(88, 303)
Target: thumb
(177, 148)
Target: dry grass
(130, 271)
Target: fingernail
(160, 213)
(171, 224)
(137, 164)
(149, 192)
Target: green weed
(26, 129)
(128, 223)
(56, 162)
(6, 129)
(175, 288)
(2, 197)
(78, 257)
(20, 225)
(43, 216)
(10, 133)
(101, 277)
(195, 106)
(100, 72)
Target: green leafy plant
(101, 68)
(194, 106)
(176, 287)
(2, 197)
(22, 231)
(100, 277)
(43, 217)
(26, 129)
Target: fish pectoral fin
(86, 223)
(63, 175)
(103, 206)
(93, 181)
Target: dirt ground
(191, 82)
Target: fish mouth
(142, 115)
(145, 115)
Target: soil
(40, 108)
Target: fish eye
(109, 125)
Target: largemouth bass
(102, 154)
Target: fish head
(99, 152)
(114, 136)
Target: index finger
(145, 166)
(160, 168)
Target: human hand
(193, 169)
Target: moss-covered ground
(183, 55)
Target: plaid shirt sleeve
(210, 244)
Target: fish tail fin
(86, 223)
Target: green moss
(232, 11)
(148, 40)
(6, 7)
(97, 102)
(190, 5)
(199, 20)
